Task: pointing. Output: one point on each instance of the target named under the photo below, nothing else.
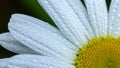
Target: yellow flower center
(102, 52)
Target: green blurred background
(29, 7)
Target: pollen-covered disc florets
(102, 52)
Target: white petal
(8, 42)
(114, 18)
(98, 15)
(82, 14)
(65, 15)
(34, 35)
(33, 61)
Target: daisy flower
(87, 36)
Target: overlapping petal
(44, 40)
(33, 61)
(98, 15)
(70, 19)
(10, 43)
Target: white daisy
(85, 38)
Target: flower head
(85, 37)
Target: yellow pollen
(102, 52)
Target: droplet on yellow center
(103, 52)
